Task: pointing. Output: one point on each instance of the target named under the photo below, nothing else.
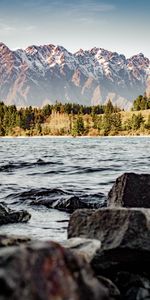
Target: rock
(8, 215)
(125, 246)
(46, 271)
(78, 222)
(6, 240)
(114, 292)
(72, 203)
(85, 247)
(130, 190)
(133, 286)
(69, 204)
(124, 234)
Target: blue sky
(117, 25)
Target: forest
(75, 120)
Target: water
(36, 170)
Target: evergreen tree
(147, 125)
(109, 108)
(116, 122)
(137, 121)
(46, 111)
(78, 126)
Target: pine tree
(78, 126)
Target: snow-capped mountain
(43, 74)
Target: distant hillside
(43, 74)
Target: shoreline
(71, 137)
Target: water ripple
(36, 172)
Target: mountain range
(43, 74)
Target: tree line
(142, 102)
(30, 119)
(79, 120)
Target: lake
(33, 169)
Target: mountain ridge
(39, 75)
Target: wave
(87, 170)
(37, 193)
(11, 166)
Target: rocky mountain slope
(43, 74)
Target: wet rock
(6, 240)
(47, 271)
(130, 190)
(60, 199)
(8, 215)
(84, 247)
(72, 203)
(68, 204)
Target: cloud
(6, 28)
(33, 3)
(91, 21)
(86, 11)
(102, 7)
(77, 6)
(87, 6)
(30, 28)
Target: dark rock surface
(124, 256)
(8, 215)
(114, 292)
(59, 199)
(133, 286)
(130, 190)
(44, 271)
(78, 223)
(70, 204)
(113, 227)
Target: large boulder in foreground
(124, 235)
(47, 271)
(130, 190)
(114, 227)
(125, 246)
(8, 215)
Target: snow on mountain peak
(52, 72)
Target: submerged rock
(46, 271)
(73, 203)
(60, 199)
(8, 215)
(130, 190)
(69, 204)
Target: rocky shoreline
(106, 256)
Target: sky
(116, 25)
